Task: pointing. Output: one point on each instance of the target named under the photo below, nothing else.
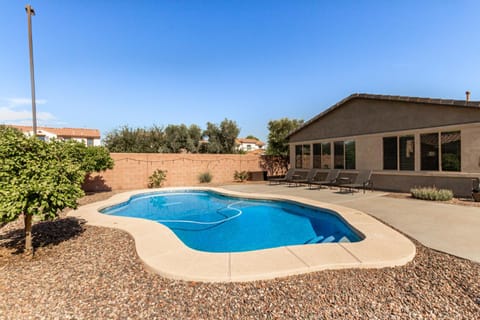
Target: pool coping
(163, 253)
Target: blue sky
(104, 64)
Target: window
(89, 142)
(390, 153)
(344, 154)
(407, 152)
(306, 156)
(338, 160)
(451, 160)
(441, 151)
(317, 155)
(429, 151)
(321, 155)
(350, 154)
(298, 156)
(302, 156)
(326, 155)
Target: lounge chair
(283, 179)
(299, 177)
(362, 180)
(476, 189)
(306, 180)
(328, 181)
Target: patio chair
(310, 176)
(362, 180)
(328, 181)
(476, 189)
(283, 179)
(301, 177)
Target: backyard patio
(81, 271)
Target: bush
(157, 178)
(429, 193)
(205, 177)
(91, 159)
(36, 179)
(240, 175)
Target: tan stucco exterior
(368, 121)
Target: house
(91, 137)
(406, 141)
(248, 145)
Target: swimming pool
(211, 222)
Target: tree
(126, 139)
(176, 138)
(221, 138)
(277, 137)
(195, 133)
(212, 134)
(252, 137)
(91, 159)
(180, 138)
(228, 134)
(36, 179)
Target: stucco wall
(471, 149)
(131, 170)
(368, 152)
(461, 185)
(366, 116)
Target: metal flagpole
(31, 12)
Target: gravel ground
(86, 272)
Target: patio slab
(445, 227)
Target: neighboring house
(248, 145)
(406, 141)
(91, 137)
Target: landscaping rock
(86, 272)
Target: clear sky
(104, 64)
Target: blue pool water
(208, 221)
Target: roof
(256, 152)
(380, 97)
(252, 141)
(64, 132)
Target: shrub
(429, 193)
(205, 177)
(157, 178)
(240, 175)
(36, 179)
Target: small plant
(157, 178)
(205, 177)
(429, 193)
(240, 175)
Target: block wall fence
(131, 170)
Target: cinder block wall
(131, 170)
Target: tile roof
(381, 97)
(64, 132)
(253, 141)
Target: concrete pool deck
(454, 229)
(162, 252)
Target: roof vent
(467, 94)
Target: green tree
(228, 134)
(176, 138)
(90, 159)
(277, 137)
(252, 137)
(145, 140)
(195, 133)
(221, 138)
(36, 179)
(212, 134)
